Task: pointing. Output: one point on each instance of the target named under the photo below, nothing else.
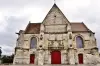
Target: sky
(16, 14)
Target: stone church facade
(56, 41)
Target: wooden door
(32, 57)
(55, 57)
(80, 58)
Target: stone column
(71, 56)
(63, 57)
(41, 46)
(46, 57)
(40, 57)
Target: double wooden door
(55, 57)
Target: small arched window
(33, 42)
(79, 42)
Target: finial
(54, 1)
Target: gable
(55, 16)
(55, 22)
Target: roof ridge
(86, 26)
(76, 22)
(35, 23)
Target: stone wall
(68, 56)
(56, 34)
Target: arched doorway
(80, 58)
(32, 57)
(55, 57)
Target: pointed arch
(79, 42)
(33, 42)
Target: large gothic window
(33, 42)
(79, 42)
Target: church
(56, 41)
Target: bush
(7, 59)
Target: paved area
(53, 65)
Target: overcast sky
(16, 14)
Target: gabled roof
(33, 28)
(79, 27)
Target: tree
(7, 59)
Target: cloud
(8, 36)
(15, 15)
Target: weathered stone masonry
(56, 34)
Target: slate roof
(80, 27)
(33, 28)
